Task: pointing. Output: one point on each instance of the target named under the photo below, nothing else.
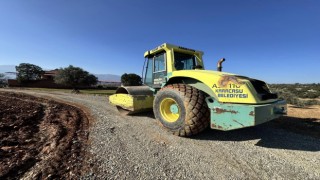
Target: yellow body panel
(132, 102)
(123, 100)
(225, 87)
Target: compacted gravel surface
(137, 147)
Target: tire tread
(197, 112)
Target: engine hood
(226, 87)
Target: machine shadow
(144, 114)
(283, 133)
(304, 126)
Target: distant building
(49, 75)
(46, 81)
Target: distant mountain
(7, 68)
(9, 71)
(108, 77)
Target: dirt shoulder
(40, 138)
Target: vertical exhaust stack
(219, 65)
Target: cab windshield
(184, 61)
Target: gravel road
(137, 147)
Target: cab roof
(167, 46)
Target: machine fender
(194, 83)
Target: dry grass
(312, 112)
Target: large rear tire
(181, 109)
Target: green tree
(27, 72)
(131, 80)
(75, 77)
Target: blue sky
(276, 40)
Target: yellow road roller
(186, 98)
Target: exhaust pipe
(219, 66)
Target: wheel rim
(169, 110)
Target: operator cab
(167, 58)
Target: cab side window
(149, 72)
(156, 70)
(159, 63)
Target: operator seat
(179, 65)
